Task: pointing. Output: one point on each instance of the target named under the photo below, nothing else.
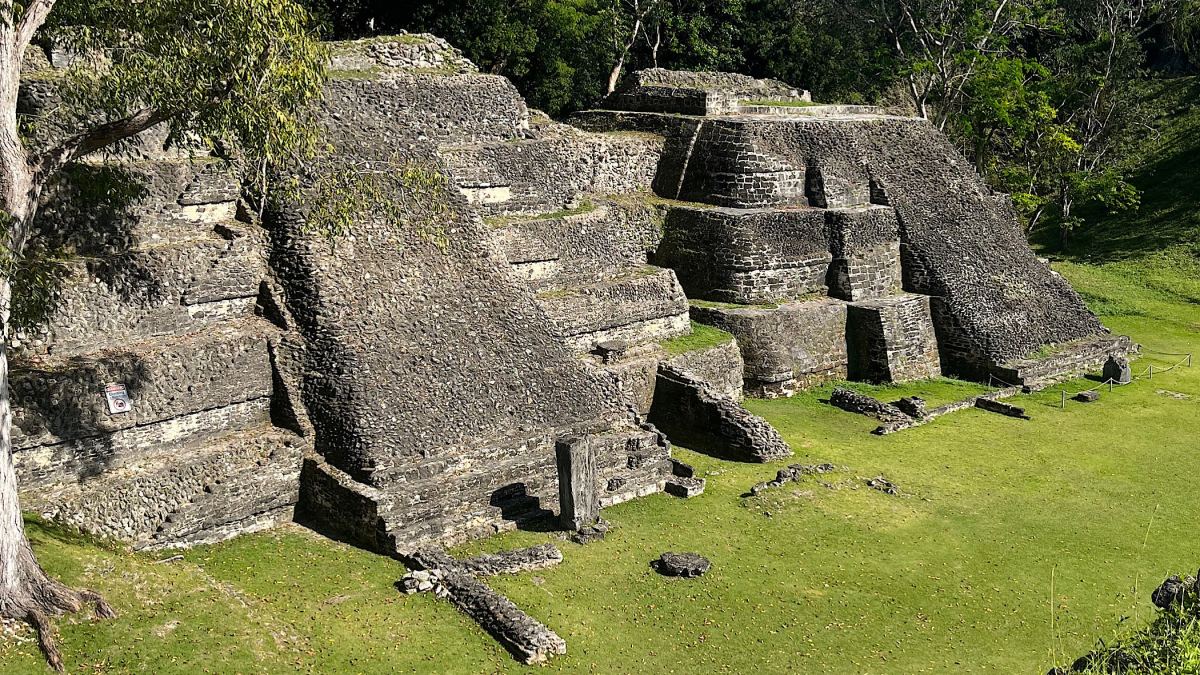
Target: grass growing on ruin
(955, 574)
(713, 304)
(586, 206)
(701, 337)
(781, 104)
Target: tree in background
(215, 70)
(1040, 94)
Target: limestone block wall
(604, 236)
(550, 171)
(865, 244)
(164, 299)
(407, 51)
(449, 109)
(695, 93)
(786, 348)
(994, 301)
(694, 413)
(720, 367)
(746, 257)
(892, 340)
(607, 308)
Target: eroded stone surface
(688, 565)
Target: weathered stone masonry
(794, 208)
(409, 385)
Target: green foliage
(220, 70)
(701, 337)
(336, 194)
(1170, 644)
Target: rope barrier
(1152, 351)
(1147, 374)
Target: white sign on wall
(118, 398)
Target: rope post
(1110, 384)
(1152, 371)
(1064, 399)
(1189, 360)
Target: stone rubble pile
(791, 474)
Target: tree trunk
(27, 593)
(615, 76)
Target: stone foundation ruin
(407, 385)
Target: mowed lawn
(1013, 545)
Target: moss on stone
(587, 206)
(780, 104)
(701, 337)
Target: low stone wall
(852, 401)
(787, 348)
(719, 367)
(694, 415)
(1064, 362)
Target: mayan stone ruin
(214, 371)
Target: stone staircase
(164, 299)
(843, 241)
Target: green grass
(712, 304)
(781, 104)
(701, 337)
(1170, 644)
(955, 575)
(586, 206)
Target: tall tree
(233, 70)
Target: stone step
(795, 345)
(1063, 361)
(644, 304)
(230, 484)
(60, 399)
(170, 288)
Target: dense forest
(1046, 97)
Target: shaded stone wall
(695, 414)
(164, 298)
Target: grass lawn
(954, 575)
